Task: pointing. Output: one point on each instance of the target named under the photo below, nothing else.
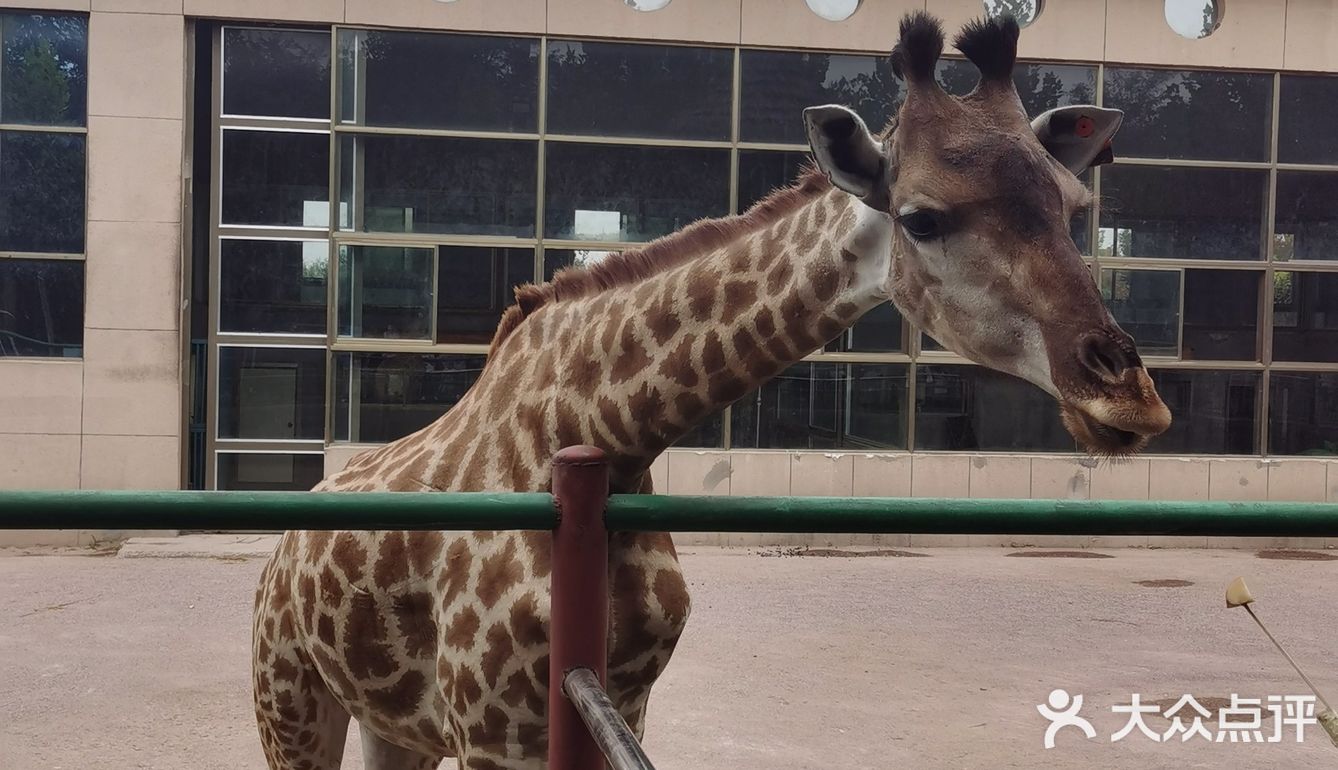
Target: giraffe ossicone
(958, 212)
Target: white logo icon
(1063, 712)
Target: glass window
(269, 471)
(1305, 316)
(385, 292)
(614, 192)
(1191, 114)
(631, 89)
(763, 171)
(41, 308)
(276, 178)
(275, 287)
(877, 331)
(1193, 19)
(427, 184)
(1212, 412)
(709, 434)
(1303, 413)
(1194, 213)
(1221, 315)
(42, 192)
(778, 85)
(556, 259)
(825, 406)
(474, 285)
(1145, 303)
(972, 408)
(271, 393)
(386, 396)
(1307, 216)
(276, 73)
(433, 80)
(43, 69)
(1307, 113)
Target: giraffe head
(965, 226)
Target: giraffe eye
(922, 224)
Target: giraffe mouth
(1099, 438)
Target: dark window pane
(269, 472)
(778, 85)
(1305, 316)
(276, 178)
(1145, 303)
(877, 331)
(419, 184)
(385, 292)
(611, 193)
(271, 393)
(1046, 86)
(1211, 412)
(474, 285)
(1307, 216)
(763, 171)
(1194, 213)
(386, 396)
(973, 408)
(709, 434)
(1221, 315)
(1303, 413)
(41, 192)
(276, 73)
(929, 343)
(272, 286)
(628, 89)
(44, 69)
(430, 80)
(556, 259)
(825, 406)
(41, 308)
(1191, 114)
(1080, 228)
(1307, 114)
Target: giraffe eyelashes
(923, 224)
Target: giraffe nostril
(1105, 357)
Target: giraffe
(958, 212)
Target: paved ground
(788, 662)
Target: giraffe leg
(379, 754)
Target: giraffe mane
(634, 265)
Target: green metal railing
(655, 513)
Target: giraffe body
(436, 642)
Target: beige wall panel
(698, 473)
(131, 462)
(1333, 482)
(488, 15)
(882, 475)
(136, 65)
(338, 455)
(1002, 477)
(43, 396)
(659, 475)
(1312, 35)
(759, 473)
(1251, 35)
(132, 383)
(819, 474)
(1173, 478)
(940, 475)
(1298, 480)
(1067, 29)
(706, 21)
(1060, 478)
(35, 461)
(790, 23)
(134, 169)
(133, 275)
(269, 10)
(1120, 480)
(1238, 479)
(139, 6)
(47, 5)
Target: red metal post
(579, 621)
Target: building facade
(240, 241)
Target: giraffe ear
(1078, 136)
(846, 152)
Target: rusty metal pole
(578, 625)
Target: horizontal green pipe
(980, 517)
(274, 510)
(656, 513)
